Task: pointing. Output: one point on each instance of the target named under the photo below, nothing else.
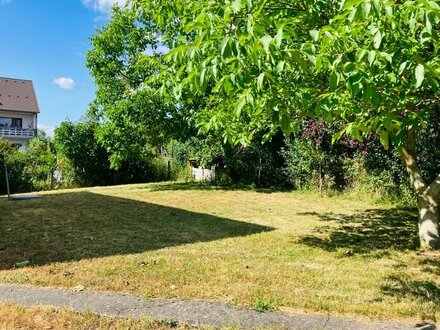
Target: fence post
(7, 182)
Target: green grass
(292, 251)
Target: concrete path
(194, 313)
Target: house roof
(18, 95)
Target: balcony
(7, 132)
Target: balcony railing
(17, 132)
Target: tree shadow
(365, 232)
(74, 226)
(430, 265)
(423, 292)
(169, 186)
(402, 287)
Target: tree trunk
(428, 196)
(428, 224)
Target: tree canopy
(130, 114)
(264, 64)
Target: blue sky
(46, 41)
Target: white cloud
(64, 83)
(103, 6)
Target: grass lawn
(290, 251)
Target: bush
(87, 162)
(260, 164)
(302, 163)
(19, 180)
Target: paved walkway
(195, 313)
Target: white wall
(29, 119)
(202, 174)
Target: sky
(46, 41)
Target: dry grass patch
(15, 317)
(247, 248)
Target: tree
(87, 161)
(15, 160)
(124, 54)
(372, 66)
(41, 161)
(76, 144)
(384, 72)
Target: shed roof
(18, 95)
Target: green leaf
(387, 123)
(250, 25)
(384, 139)
(375, 99)
(428, 25)
(260, 81)
(266, 42)
(368, 92)
(386, 56)
(420, 75)
(285, 124)
(360, 54)
(338, 135)
(377, 39)
(371, 57)
(280, 67)
(377, 6)
(298, 56)
(366, 9)
(334, 81)
(214, 70)
(236, 6)
(239, 105)
(402, 67)
(279, 38)
(223, 45)
(314, 34)
(202, 76)
(355, 83)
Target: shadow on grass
(209, 186)
(431, 265)
(73, 226)
(400, 286)
(365, 232)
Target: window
(17, 122)
(5, 122)
(11, 122)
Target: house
(18, 110)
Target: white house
(18, 110)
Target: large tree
(384, 72)
(370, 65)
(124, 53)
